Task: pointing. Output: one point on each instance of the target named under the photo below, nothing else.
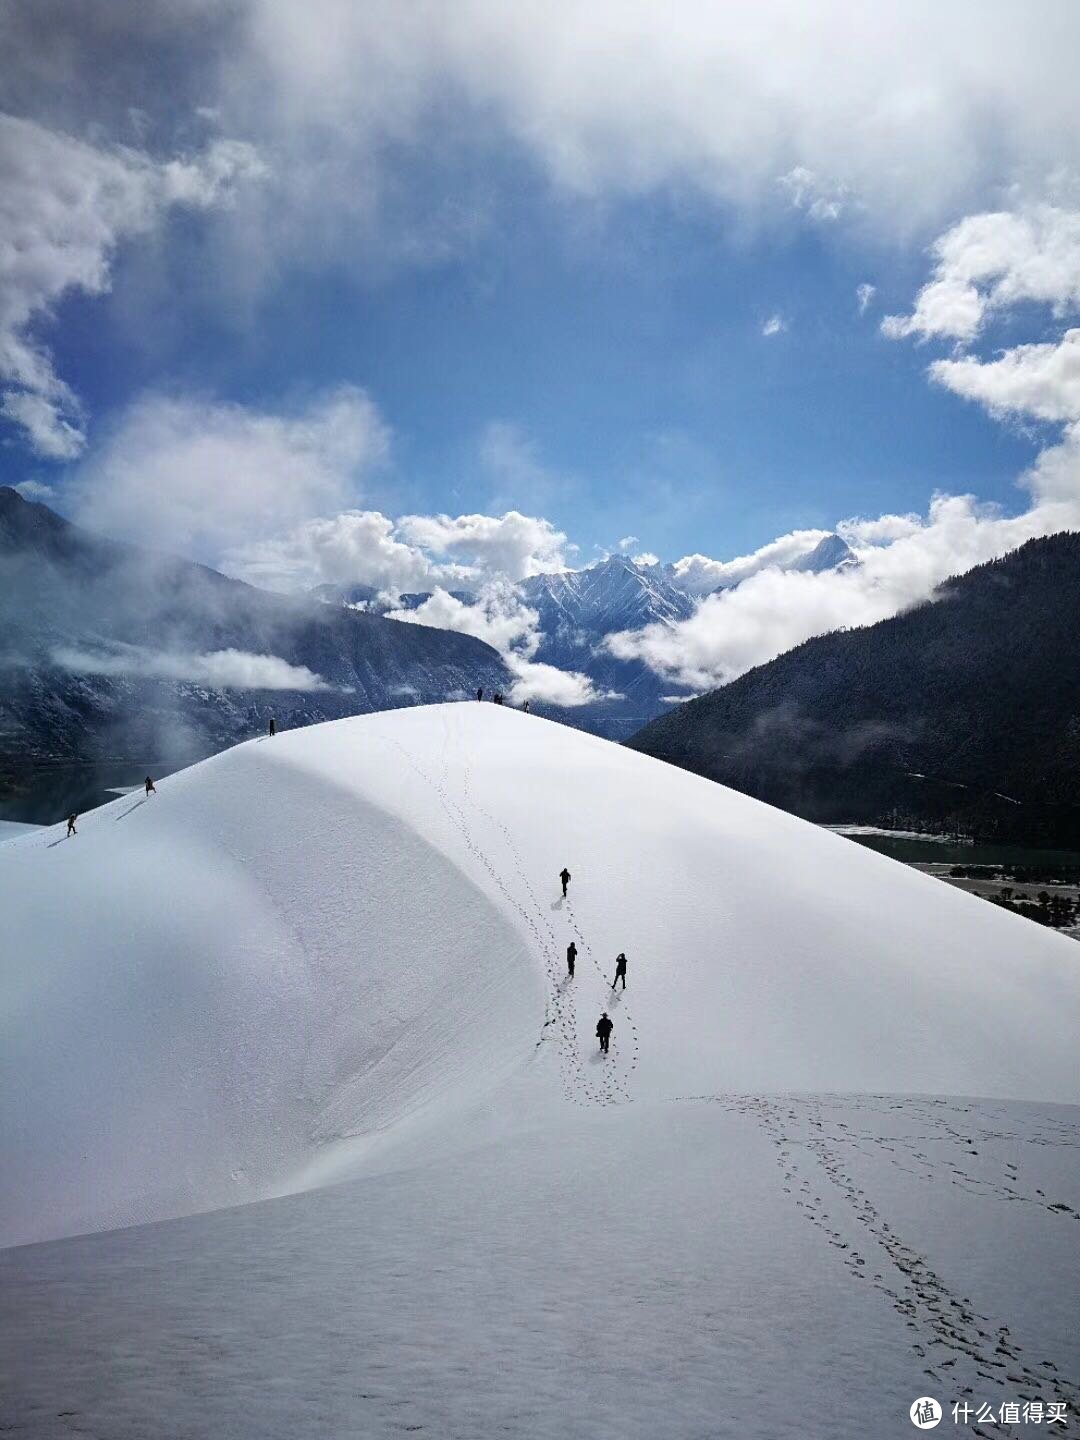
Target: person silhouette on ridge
(273, 727)
(620, 970)
(480, 692)
(571, 957)
(564, 876)
(604, 1028)
(71, 825)
(150, 786)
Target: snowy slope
(336, 956)
(348, 940)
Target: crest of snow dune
(383, 979)
(227, 669)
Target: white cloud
(915, 111)
(513, 544)
(498, 617)
(355, 547)
(65, 205)
(1042, 381)
(645, 557)
(222, 669)
(985, 263)
(501, 619)
(628, 542)
(34, 490)
(698, 574)
(809, 192)
(206, 478)
(878, 531)
(568, 689)
(773, 610)
(864, 293)
(774, 325)
(988, 262)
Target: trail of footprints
(580, 1087)
(959, 1347)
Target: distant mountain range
(109, 650)
(579, 609)
(961, 713)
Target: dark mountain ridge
(85, 622)
(962, 713)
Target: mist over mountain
(963, 712)
(577, 610)
(109, 650)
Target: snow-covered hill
(337, 955)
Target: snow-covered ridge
(342, 948)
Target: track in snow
(561, 1024)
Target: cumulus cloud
(65, 206)
(988, 262)
(497, 616)
(357, 547)
(864, 293)
(774, 325)
(1042, 381)
(698, 574)
(206, 478)
(221, 669)
(500, 617)
(513, 544)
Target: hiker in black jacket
(604, 1028)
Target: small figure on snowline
(620, 970)
(571, 956)
(604, 1028)
(272, 727)
(498, 697)
(480, 692)
(71, 825)
(150, 786)
(525, 708)
(564, 876)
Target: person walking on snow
(150, 786)
(564, 876)
(71, 825)
(604, 1028)
(571, 956)
(273, 727)
(480, 693)
(620, 970)
(525, 708)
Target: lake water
(42, 795)
(946, 852)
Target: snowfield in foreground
(326, 971)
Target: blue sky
(632, 363)
(361, 294)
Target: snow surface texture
(339, 955)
